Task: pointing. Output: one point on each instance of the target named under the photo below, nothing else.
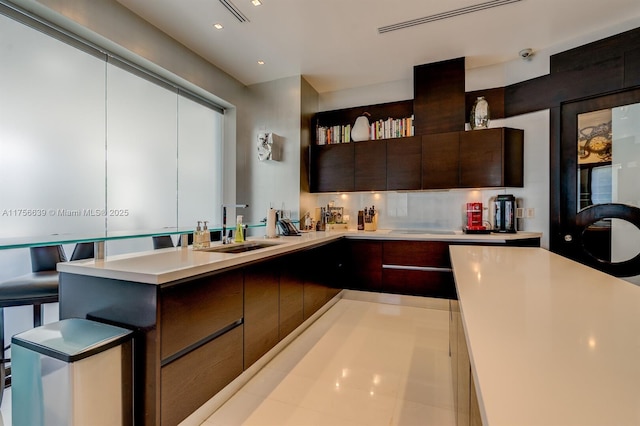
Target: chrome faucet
(223, 236)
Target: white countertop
(551, 341)
(166, 265)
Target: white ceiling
(335, 44)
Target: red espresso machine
(474, 219)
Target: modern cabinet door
(261, 310)
(491, 158)
(332, 168)
(322, 275)
(370, 160)
(440, 160)
(364, 265)
(291, 294)
(404, 163)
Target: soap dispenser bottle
(239, 230)
(206, 236)
(197, 237)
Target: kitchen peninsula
(550, 341)
(204, 317)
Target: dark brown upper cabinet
(473, 159)
(332, 168)
(370, 166)
(492, 158)
(439, 97)
(404, 163)
(441, 160)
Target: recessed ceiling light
(218, 26)
(256, 2)
(261, 62)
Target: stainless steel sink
(241, 247)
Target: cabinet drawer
(193, 311)
(193, 379)
(416, 253)
(431, 283)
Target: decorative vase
(479, 114)
(360, 130)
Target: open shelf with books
(388, 120)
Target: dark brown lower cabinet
(291, 295)
(194, 378)
(323, 275)
(261, 310)
(419, 268)
(365, 265)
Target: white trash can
(72, 372)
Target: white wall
(273, 107)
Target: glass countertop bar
(70, 238)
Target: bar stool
(82, 251)
(36, 288)
(162, 241)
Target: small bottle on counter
(239, 238)
(197, 237)
(206, 236)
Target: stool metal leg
(37, 315)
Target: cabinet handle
(568, 238)
(417, 268)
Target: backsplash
(408, 210)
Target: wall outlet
(519, 212)
(530, 213)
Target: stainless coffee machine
(504, 209)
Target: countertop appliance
(505, 214)
(474, 220)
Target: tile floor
(361, 363)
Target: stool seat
(36, 287)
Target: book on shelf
(392, 128)
(328, 135)
(379, 129)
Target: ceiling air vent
(234, 10)
(445, 15)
